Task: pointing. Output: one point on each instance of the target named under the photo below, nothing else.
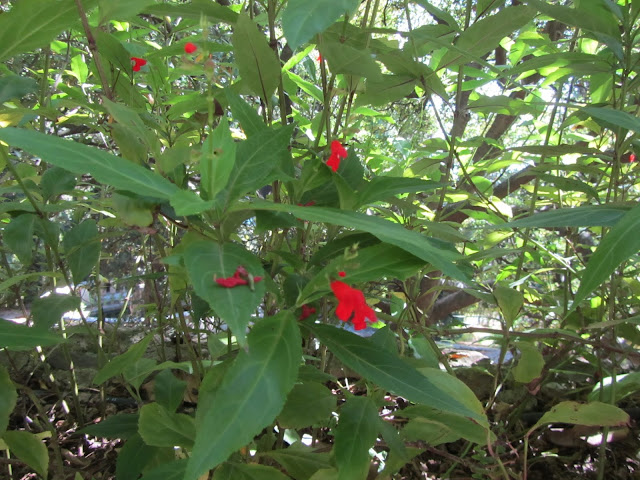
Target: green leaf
(299, 461)
(18, 236)
(48, 311)
(117, 365)
(173, 470)
(485, 35)
(586, 216)
(612, 392)
(595, 20)
(29, 449)
(356, 433)
(301, 19)
(529, 365)
(595, 414)
(197, 10)
(442, 427)
(82, 159)
(169, 390)
(347, 59)
(55, 181)
(120, 426)
(618, 245)
(159, 427)
(31, 24)
(133, 457)
(217, 160)
(121, 9)
(510, 302)
(256, 159)
(135, 373)
(438, 13)
(8, 398)
(243, 471)
(15, 87)
(257, 62)
(386, 89)
(383, 188)
(391, 373)
(392, 233)
(20, 337)
(308, 403)
(187, 202)
(206, 261)
(249, 119)
(252, 393)
(615, 117)
(82, 248)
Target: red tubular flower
(190, 47)
(307, 311)
(338, 152)
(351, 301)
(137, 63)
(240, 277)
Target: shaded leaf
(82, 248)
(586, 216)
(159, 427)
(120, 426)
(29, 449)
(590, 414)
(118, 364)
(18, 236)
(530, 363)
(169, 390)
(8, 398)
(20, 337)
(48, 311)
(308, 403)
(299, 461)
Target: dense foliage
(303, 194)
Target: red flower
(137, 63)
(338, 152)
(240, 277)
(308, 204)
(342, 274)
(320, 58)
(632, 157)
(307, 311)
(190, 47)
(351, 302)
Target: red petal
(334, 162)
(338, 149)
(190, 47)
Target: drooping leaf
(257, 62)
(29, 449)
(8, 398)
(218, 158)
(618, 245)
(308, 403)
(615, 117)
(31, 24)
(20, 337)
(118, 364)
(133, 457)
(48, 311)
(529, 365)
(441, 426)
(14, 86)
(299, 461)
(169, 390)
(82, 159)
(510, 302)
(590, 414)
(301, 20)
(392, 233)
(160, 427)
(356, 433)
(249, 119)
(82, 248)
(18, 236)
(390, 372)
(252, 393)
(55, 181)
(386, 89)
(383, 188)
(121, 9)
(120, 426)
(206, 261)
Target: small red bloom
(351, 301)
(308, 204)
(190, 47)
(338, 152)
(320, 58)
(632, 158)
(342, 274)
(137, 63)
(307, 311)
(240, 277)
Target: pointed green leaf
(196, 10)
(20, 337)
(383, 188)
(159, 427)
(133, 457)
(30, 24)
(308, 404)
(169, 390)
(356, 433)
(243, 471)
(257, 62)
(615, 117)
(530, 363)
(48, 311)
(386, 89)
(18, 236)
(217, 160)
(8, 398)
(16, 87)
(118, 364)
(249, 119)
(206, 261)
(173, 470)
(82, 159)
(29, 449)
(591, 414)
(120, 426)
(510, 302)
(391, 373)
(301, 19)
(392, 233)
(347, 59)
(618, 245)
(300, 461)
(252, 393)
(82, 248)
(55, 181)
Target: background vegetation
(182, 153)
